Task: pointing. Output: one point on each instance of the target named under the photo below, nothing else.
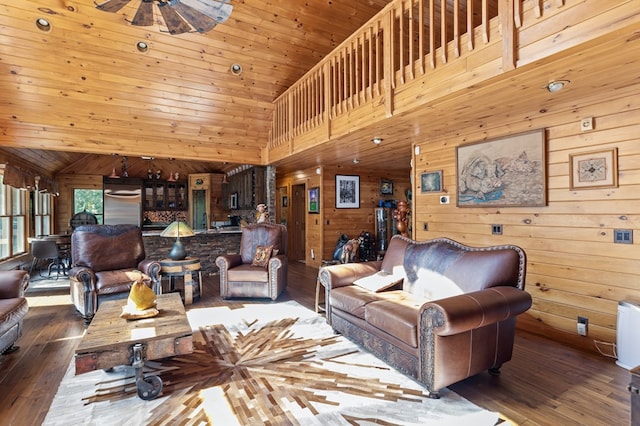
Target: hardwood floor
(546, 383)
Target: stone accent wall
(206, 246)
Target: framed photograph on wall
(386, 187)
(233, 201)
(505, 172)
(593, 170)
(314, 200)
(347, 192)
(431, 182)
(285, 201)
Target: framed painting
(347, 192)
(431, 182)
(593, 170)
(314, 200)
(505, 172)
(386, 187)
(285, 201)
(233, 201)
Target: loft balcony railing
(405, 41)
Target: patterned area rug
(256, 364)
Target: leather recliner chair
(106, 260)
(240, 278)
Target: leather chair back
(107, 247)
(262, 234)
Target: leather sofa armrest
(345, 274)
(227, 261)
(276, 262)
(151, 268)
(12, 284)
(82, 274)
(469, 311)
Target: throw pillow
(262, 256)
(379, 281)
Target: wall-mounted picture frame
(594, 169)
(386, 187)
(285, 201)
(314, 200)
(233, 201)
(504, 172)
(347, 192)
(431, 182)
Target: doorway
(297, 224)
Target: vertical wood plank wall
(323, 230)
(574, 268)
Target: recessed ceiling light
(43, 24)
(377, 140)
(356, 161)
(142, 46)
(236, 69)
(556, 85)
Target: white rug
(276, 364)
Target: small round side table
(186, 269)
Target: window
(89, 200)
(13, 211)
(42, 212)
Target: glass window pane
(18, 235)
(3, 198)
(4, 237)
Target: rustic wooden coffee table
(111, 341)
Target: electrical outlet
(583, 324)
(586, 124)
(425, 226)
(496, 229)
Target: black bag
(337, 253)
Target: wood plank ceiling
(75, 94)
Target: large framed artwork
(347, 192)
(504, 172)
(595, 169)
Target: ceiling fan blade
(144, 15)
(201, 22)
(220, 10)
(112, 5)
(172, 19)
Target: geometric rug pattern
(255, 364)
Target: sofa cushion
(399, 318)
(352, 299)
(118, 281)
(248, 273)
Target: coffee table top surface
(108, 330)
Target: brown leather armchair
(105, 261)
(13, 307)
(239, 278)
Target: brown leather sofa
(240, 278)
(105, 261)
(13, 307)
(451, 316)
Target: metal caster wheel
(149, 387)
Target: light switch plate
(586, 124)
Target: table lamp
(177, 229)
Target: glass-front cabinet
(163, 195)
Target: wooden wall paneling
(574, 268)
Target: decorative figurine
(400, 214)
(262, 215)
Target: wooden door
(297, 223)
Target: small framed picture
(431, 182)
(233, 201)
(285, 201)
(386, 187)
(347, 192)
(314, 200)
(595, 169)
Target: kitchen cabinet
(162, 195)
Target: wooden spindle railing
(392, 50)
